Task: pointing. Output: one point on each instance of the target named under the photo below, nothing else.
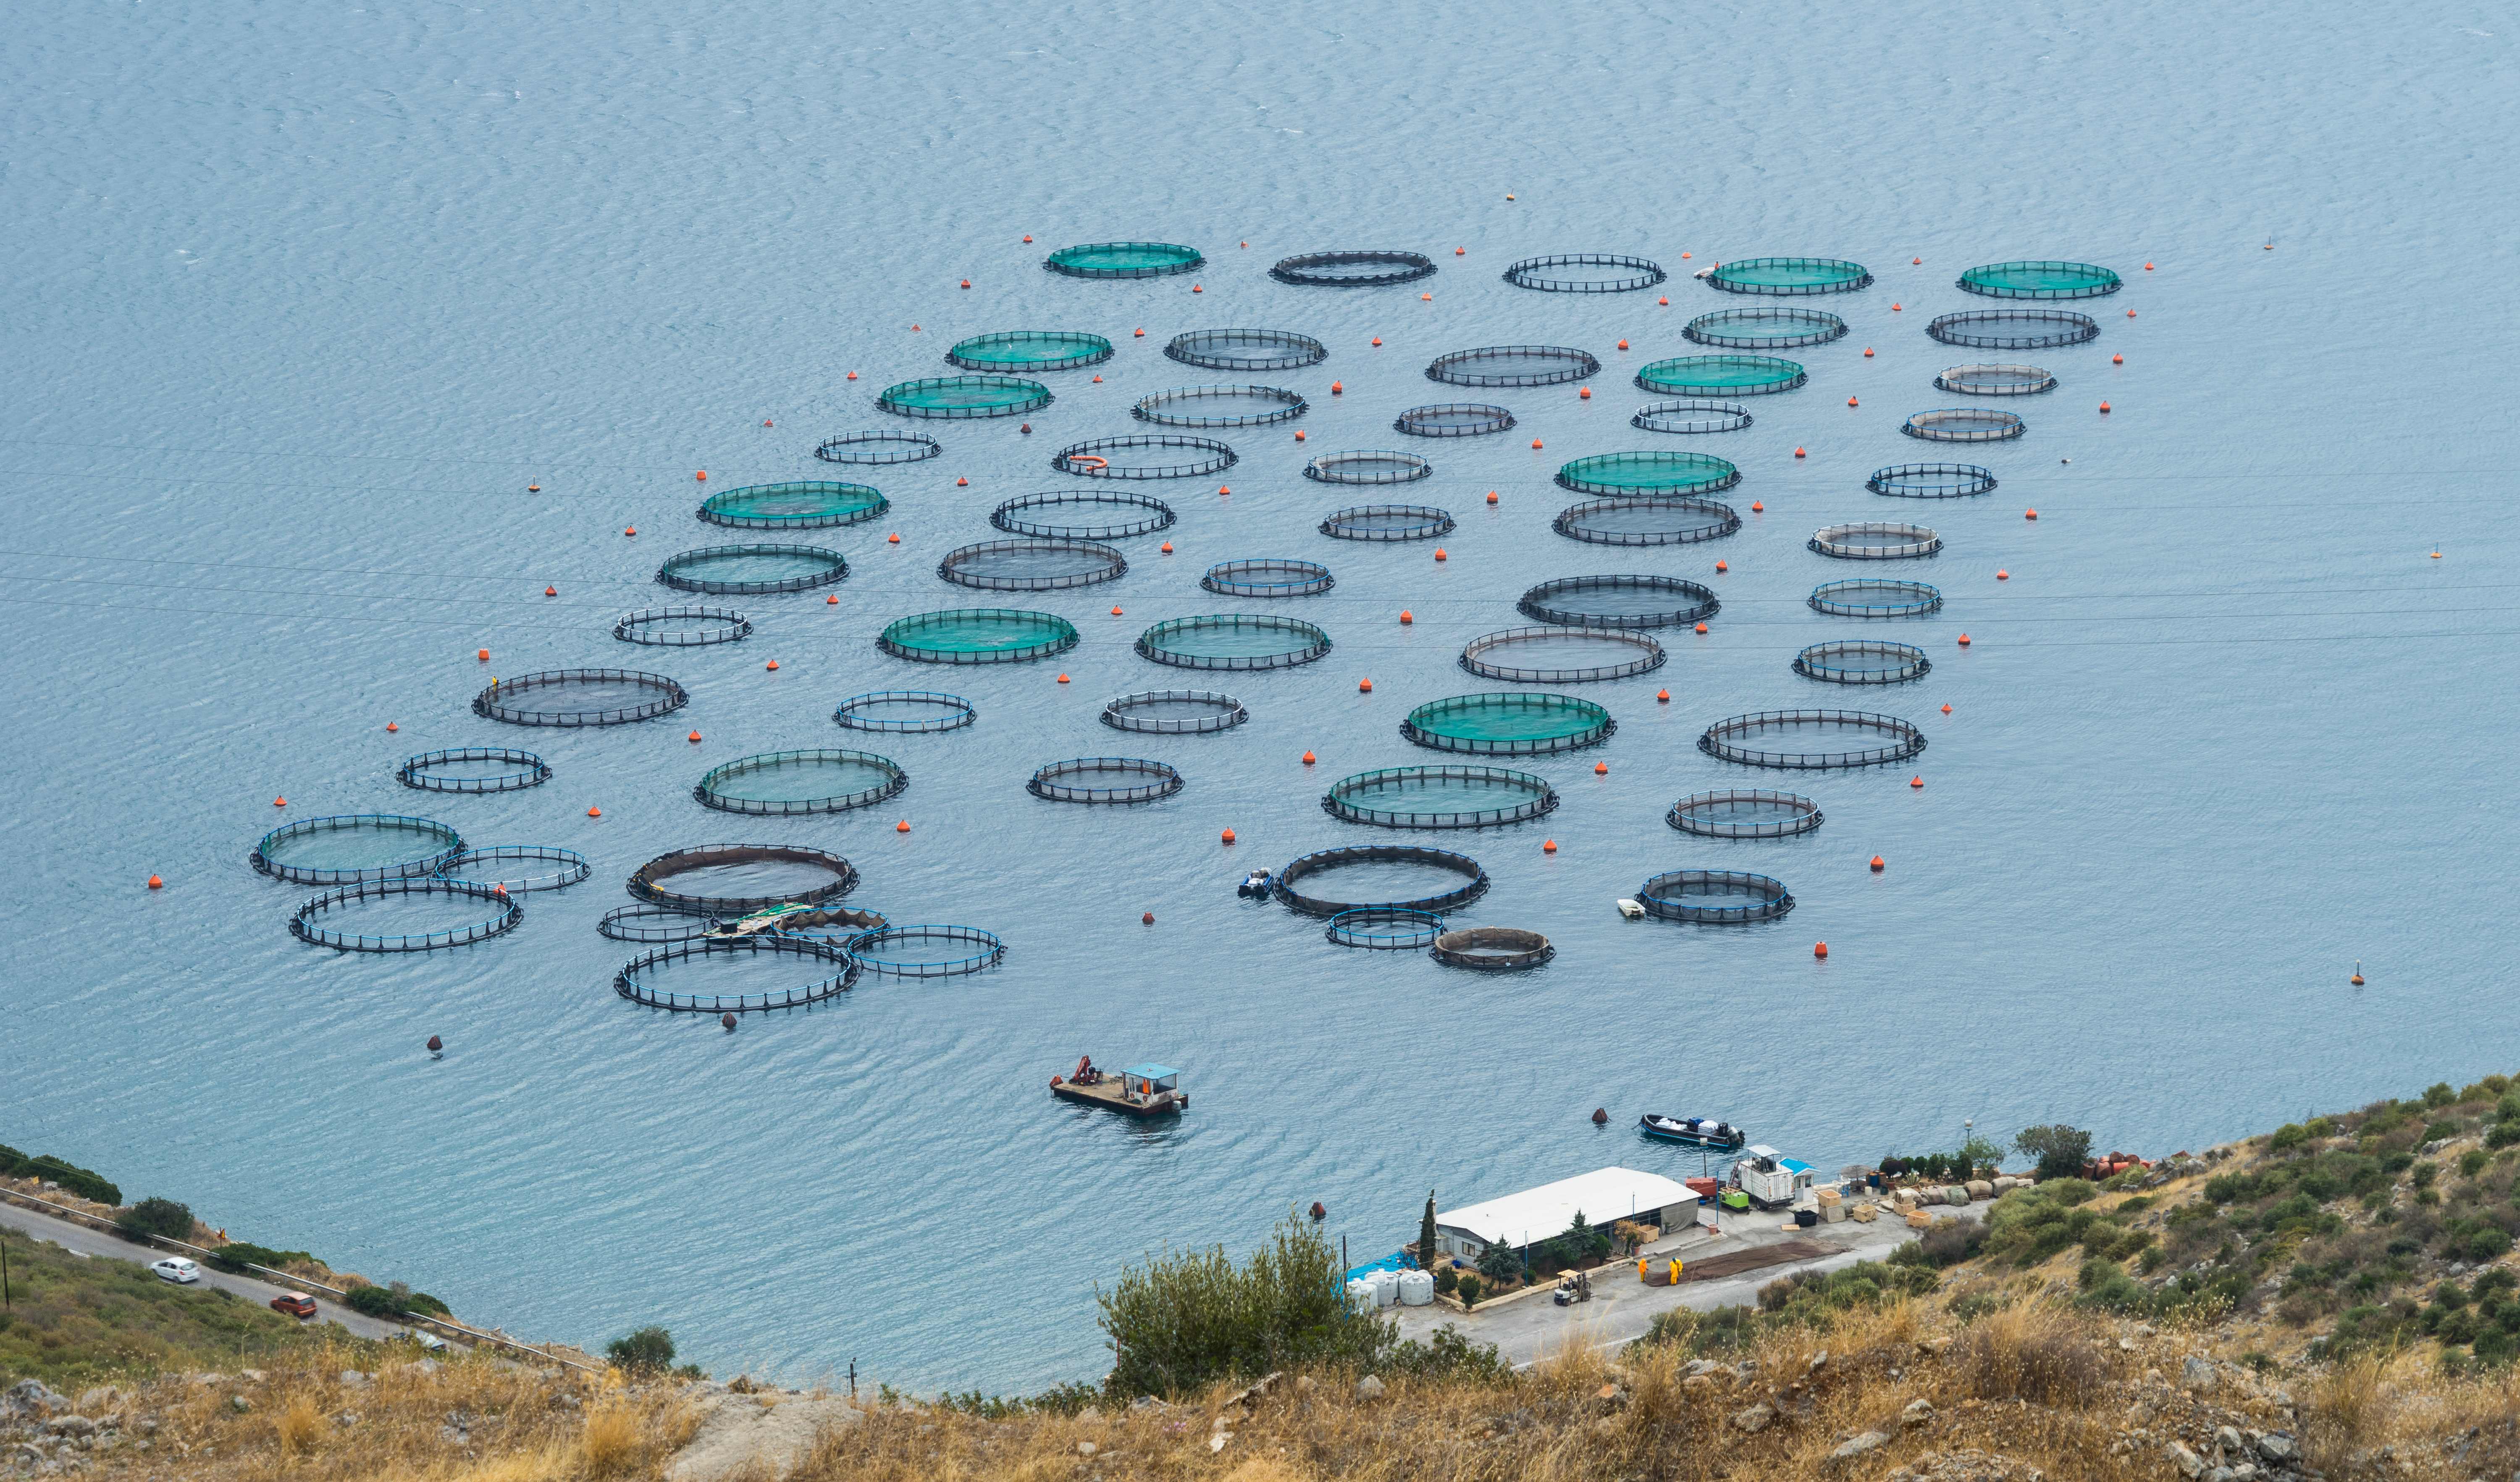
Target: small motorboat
(1696, 1132)
(1256, 883)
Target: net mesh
(2039, 280)
(1403, 875)
(1509, 724)
(1031, 564)
(682, 627)
(1691, 415)
(1721, 375)
(1618, 601)
(651, 979)
(1461, 796)
(1862, 663)
(1220, 407)
(1384, 929)
(1744, 813)
(1104, 780)
(1029, 350)
(959, 398)
(1788, 276)
(877, 447)
(1964, 424)
(1453, 419)
(1875, 599)
(1765, 329)
(977, 636)
(1368, 466)
(793, 505)
(1648, 473)
(1145, 456)
(495, 866)
(486, 912)
(1388, 523)
(785, 782)
(1492, 949)
(1267, 576)
(473, 769)
(904, 712)
(1812, 738)
(1995, 380)
(1714, 897)
(1234, 641)
(1586, 273)
(1083, 517)
(1247, 349)
(580, 698)
(1175, 712)
(753, 570)
(1931, 480)
(1124, 259)
(1651, 522)
(737, 879)
(1874, 542)
(1559, 656)
(2015, 329)
(927, 951)
(355, 848)
(1514, 365)
(1353, 269)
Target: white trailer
(1769, 1179)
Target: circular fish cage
(809, 505)
(1492, 949)
(1247, 349)
(473, 769)
(737, 880)
(877, 447)
(580, 698)
(1648, 471)
(821, 779)
(651, 924)
(928, 951)
(1874, 542)
(1083, 517)
(488, 867)
(1031, 564)
(1390, 867)
(1452, 796)
(1104, 780)
(1618, 601)
(1558, 656)
(1453, 419)
(1996, 381)
(1586, 273)
(1874, 596)
(963, 398)
(1765, 329)
(1234, 641)
(1714, 897)
(355, 849)
(1931, 480)
(1267, 576)
(977, 636)
(2015, 329)
(490, 914)
(1509, 724)
(632, 982)
(1143, 455)
(1353, 269)
(1514, 365)
(1384, 929)
(904, 712)
(833, 926)
(682, 627)
(1719, 375)
(2039, 280)
(1175, 712)
(1368, 466)
(1651, 522)
(1691, 415)
(1124, 259)
(1029, 350)
(1220, 407)
(1862, 663)
(753, 570)
(1388, 523)
(1781, 738)
(1964, 424)
(1744, 813)
(1789, 277)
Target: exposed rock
(70, 1426)
(100, 1399)
(1086, 1448)
(1699, 1367)
(2197, 1374)
(353, 1377)
(1305, 1384)
(740, 1436)
(1369, 1388)
(30, 1397)
(1754, 1420)
(2278, 1448)
(1818, 1362)
(1697, 1381)
(1251, 1393)
(239, 1404)
(1870, 1440)
(1919, 1411)
(1147, 1402)
(1219, 1441)
(2230, 1439)
(2189, 1465)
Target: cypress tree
(1426, 1235)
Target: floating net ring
(737, 879)
(1368, 466)
(1234, 641)
(833, 926)
(1388, 523)
(1558, 656)
(957, 398)
(1145, 455)
(1220, 407)
(793, 505)
(1996, 381)
(977, 636)
(1863, 662)
(1508, 725)
(1492, 949)
(1875, 599)
(1931, 480)
(2039, 280)
(1812, 738)
(1353, 270)
(501, 914)
(1618, 601)
(821, 779)
(1874, 542)
(651, 924)
(1384, 929)
(753, 570)
(1029, 350)
(1083, 517)
(473, 769)
(1514, 365)
(1125, 259)
(682, 627)
(1789, 277)
(1721, 375)
(928, 951)
(580, 698)
(828, 958)
(1715, 897)
(2015, 329)
(1648, 471)
(1651, 521)
(1175, 712)
(1765, 329)
(1964, 424)
(1457, 796)
(1453, 419)
(485, 866)
(1104, 780)
(877, 447)
(1691, 415)
(1586, 273)
(1031, 564)
(355, 848)
(1375, 864)
(1267, 576)
(1247, 349)
(904, 712)
(1743, 813)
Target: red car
(295, 1304)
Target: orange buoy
(551, 591)
(2147, 268)
(2270, 247)
(701, 476)
(1894, 308)
(962, 483)
(1947, 708)
(1439, 554)
(391, 727)
(1548, 846)
(2357, 980)
(1062, 679)
(1868, 352)
(1377, 339)
(1684, 257)
(1758, 507)
(629, 529)
(2105, 406)
(1913, 260)
(1098, 381)
(1820, 949)
(1027, 236)
(1601, 769)
(1168, 548)
(1115, 612)
(1226, 836)
(1141, 334)
(1701, 628)
(534, 488)
(1666, 302)
(1623, 344)
(1492, 496)
(1336, 389)
(1877, 864)
(155, 883)
(967, 283)
(594, 813)
(2030, 513)
(1963, 639)
(914, 329)
(1723, 567)
(482, 655)
(1850, 401)
(1247, 246)
(1798, 452)
(1535, 442)
(1459, 251)
(1309, 758)
(1917, 782)
(2002, 574)
(1365, 687)
(1404, 618)
(892, 539)
(2117, 360)
(1148, 916)
(1197, 289)
(902, 828)
(2130, 313)
(1662, 696)
(695, 735)
(2436, 555)
(772, 665)
(853, 376)
(1583, 393)
(831, 601)
(1222, 489)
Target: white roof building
(1602, 1197)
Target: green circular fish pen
(1124, 259)
(1721, 375)
(793, 505)
(1451, 796)
(1509, 724)
(977, 636)
(1029, 350)
(1648, 471)
(962, 398)
(1234, 641)
(2047, 279)
(1789, 277)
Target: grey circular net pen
(491, 868)
(1304, 642)
(877, 447)
(713, 788)
(1769, 738)
(653, 923)
(650, 882)
(504, 911)
(1384, 929)
(823, 957)
(1368, 466)
(1145, 456)
(947, 950)
(1598, 602)
(687, 570)
(1453, 419)
(1070, 515)
(1245, 350)
(1514, 365)
(1267, 576)
(1104, 780)
(1328, 861)
(1862, 663)
(1353, 269)
(1964, 424)
(1649, 521)
(1234, 406)
(1996, 381)
(1175, 712)
(1692, 416)
(1031, 564)
(2015, 329)
(1523, 656)
(1492, 949)
(520, 769)
(1361, 798)
(1875, 541)
(682, 627)
(1714, 897)
(1744, 813)
(1875, 599)
(1765, 329)
(904, 712)
(1388, 523)
(542, 699)
(1931, 480)
(1586, 273)
(430, 844)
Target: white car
(176, 1269)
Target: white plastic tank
(1386, 1288)
(1359, 1296)
(1416, 1289)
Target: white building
(1602, 1197)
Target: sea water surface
(304, 297)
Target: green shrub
(234, 1256)
(1447, 1355)
(2486, 1244)
(1501, 1264)
(2062, 1150)
(1185, 1318)
(2502, 1134)
(86, 1183)
(374, 1301)
(648, 1351)
(1473, 1288)
(2289, 1136)
(2438, 1132)
(10, 1161)
(2473, 1159)
(2439, 1094)
(155, 1217)
(1446, 1279)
